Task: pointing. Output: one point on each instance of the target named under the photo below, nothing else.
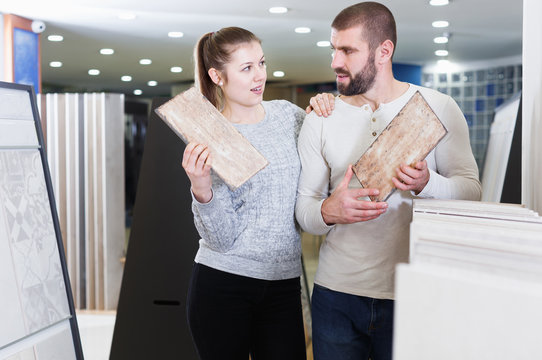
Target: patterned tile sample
(27, 226)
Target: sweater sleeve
(456, 173)
(217, 221)
(313, 186)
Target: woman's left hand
(322, 104)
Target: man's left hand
(412, 178)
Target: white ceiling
(480, 29)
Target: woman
(244, 295)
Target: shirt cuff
(429, 191)
(200, 203)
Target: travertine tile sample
(195, 119)
(32, 239)
(407, 139)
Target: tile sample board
(34, 282)
(407, 139)
(193, 118)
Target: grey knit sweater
(252, 231)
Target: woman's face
(245, 75)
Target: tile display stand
(37, 308)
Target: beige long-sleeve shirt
(360, 258)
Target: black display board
(511, 189)
(151, 315)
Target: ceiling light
(439, 2)
(323, 43)
(440, 24)
(94, 72)
(440, 40)
(278, 10)
(126, 78)
(441, 52)
(55, 38)
(56, 64)
(176, 69)
(152, 83)
(107, 51)
(443, 62)
(145, 61)
(138, 92)
(278, 73)
(302, 30)
(127, 16)
(175, 34)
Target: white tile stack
(473, 287)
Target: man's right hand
(344, 207)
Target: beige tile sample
(408, 138)
(195, 119)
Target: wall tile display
(85, 137)
(34, 285)
(478, 93)
(475, 272)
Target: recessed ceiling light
(138, 92)
(443, 62)
(440, 24)
(278, 10)
(126, 78)
(127, 16)
(440, 40)
(56, 64)
(441, 52)
(145, 61)
(302, 30)
(175, 34)
(176, 69)
(439, 2)
(278, 73)
(107, 51)
(323, 43)
(94, 72)
(152, 83)
(55, 38)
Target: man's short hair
(376, 20)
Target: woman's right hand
(197, 165)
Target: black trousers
(232, 316)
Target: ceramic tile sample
(27, 354)
(195, 119)
(408, 138)
(57, 346)
(10, 311)
(32, 239)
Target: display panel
(36, 294)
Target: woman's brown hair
(214, 50)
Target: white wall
(532, 108)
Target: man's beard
(361, 82)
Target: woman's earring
(220, 83)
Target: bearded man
(352, 300)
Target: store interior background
(487, 65)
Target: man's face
(353, 62)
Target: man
(352, 301)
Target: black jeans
(232, 316)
